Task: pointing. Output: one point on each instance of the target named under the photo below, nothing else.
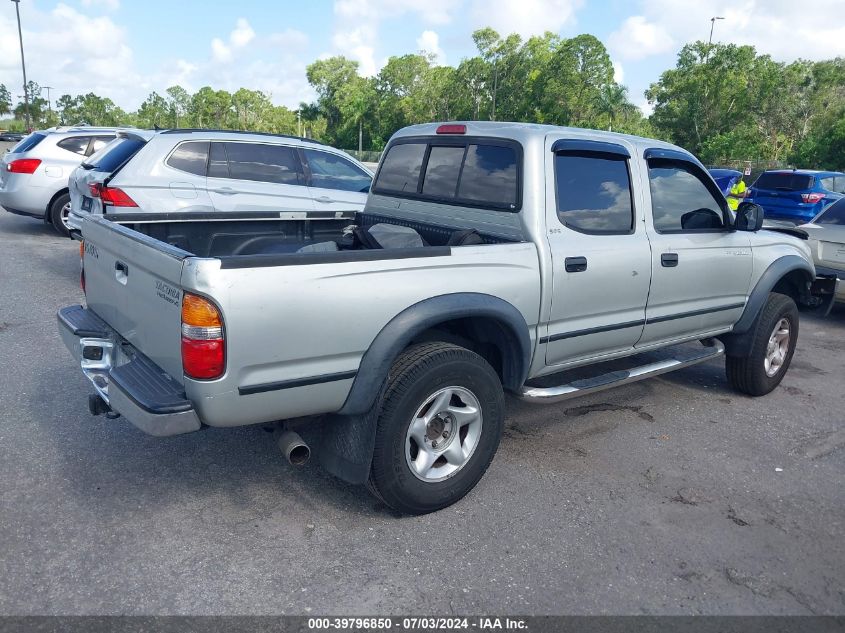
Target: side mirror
(749, 217)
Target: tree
(613, 101)
(154, 112)
(178, 100)
(5, 100)
(209, 107)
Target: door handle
(228, 191)
(121, 272)
(324, 199)
(575, 264)
(669, 260)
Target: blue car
(796, 195)
(725, 179)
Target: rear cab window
(463, 171)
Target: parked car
(488, 255)
(725, 179)
(827, 242)
(11, 136)
(216, 170)
(34, 173)
(796, 195)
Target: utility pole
(23, 67)
(48, 89)
(712, 24)
(299, 122)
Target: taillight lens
(82, 265)
(812, 197)
(114, 197)
(452, 128)
(203, 340)
(95, 188)
(23, 166)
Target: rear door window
(190, 157)
(218, 164)
(835, 214)
(594, 193)
(28, 143)
(262, 162)
(114, 155)
(331, 171)
(465, 172)
(75, 144)
(783, 181)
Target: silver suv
(34, 173)
(216, 171)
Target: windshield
(114, 154)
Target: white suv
(214, 171)
(34, 173)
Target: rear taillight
(812, 197)
(116, 197)
(203, 344)
(82, 265)
(95, 188)
(23, 166)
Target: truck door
(701, 268)
(601, 259)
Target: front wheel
(773, 345)
(59, 211)
(439, 426)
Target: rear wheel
(773, 345)
(440, 424)
(59, 211)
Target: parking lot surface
(673, 495)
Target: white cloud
(242, 35)
(357, 23)
(638, 38)
(618, 72)
(220, 52)
(429, 42)
(526, 17)
(784, 29)
(108, 5)
(238, 38)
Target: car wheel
(773, 345)
(438, 429)
(59, 211)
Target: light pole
(23, 66)
(712, 24)
(49, 103)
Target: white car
(827, 241)
(216, 171)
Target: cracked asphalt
(669, 496)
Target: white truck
(488, 255)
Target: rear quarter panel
(291, 322)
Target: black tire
(748, 373)
(420, 372)
(56, 214)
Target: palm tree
(613, 101)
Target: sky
(125, 49)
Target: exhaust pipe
(294, 448)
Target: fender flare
(738, 341)
(401, 330)
(348, 437)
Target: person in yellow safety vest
(736, 194)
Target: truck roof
(530, 132)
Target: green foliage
(726, 103)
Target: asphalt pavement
(669, 496)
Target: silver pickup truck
(488, 255)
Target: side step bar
(586, 386)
